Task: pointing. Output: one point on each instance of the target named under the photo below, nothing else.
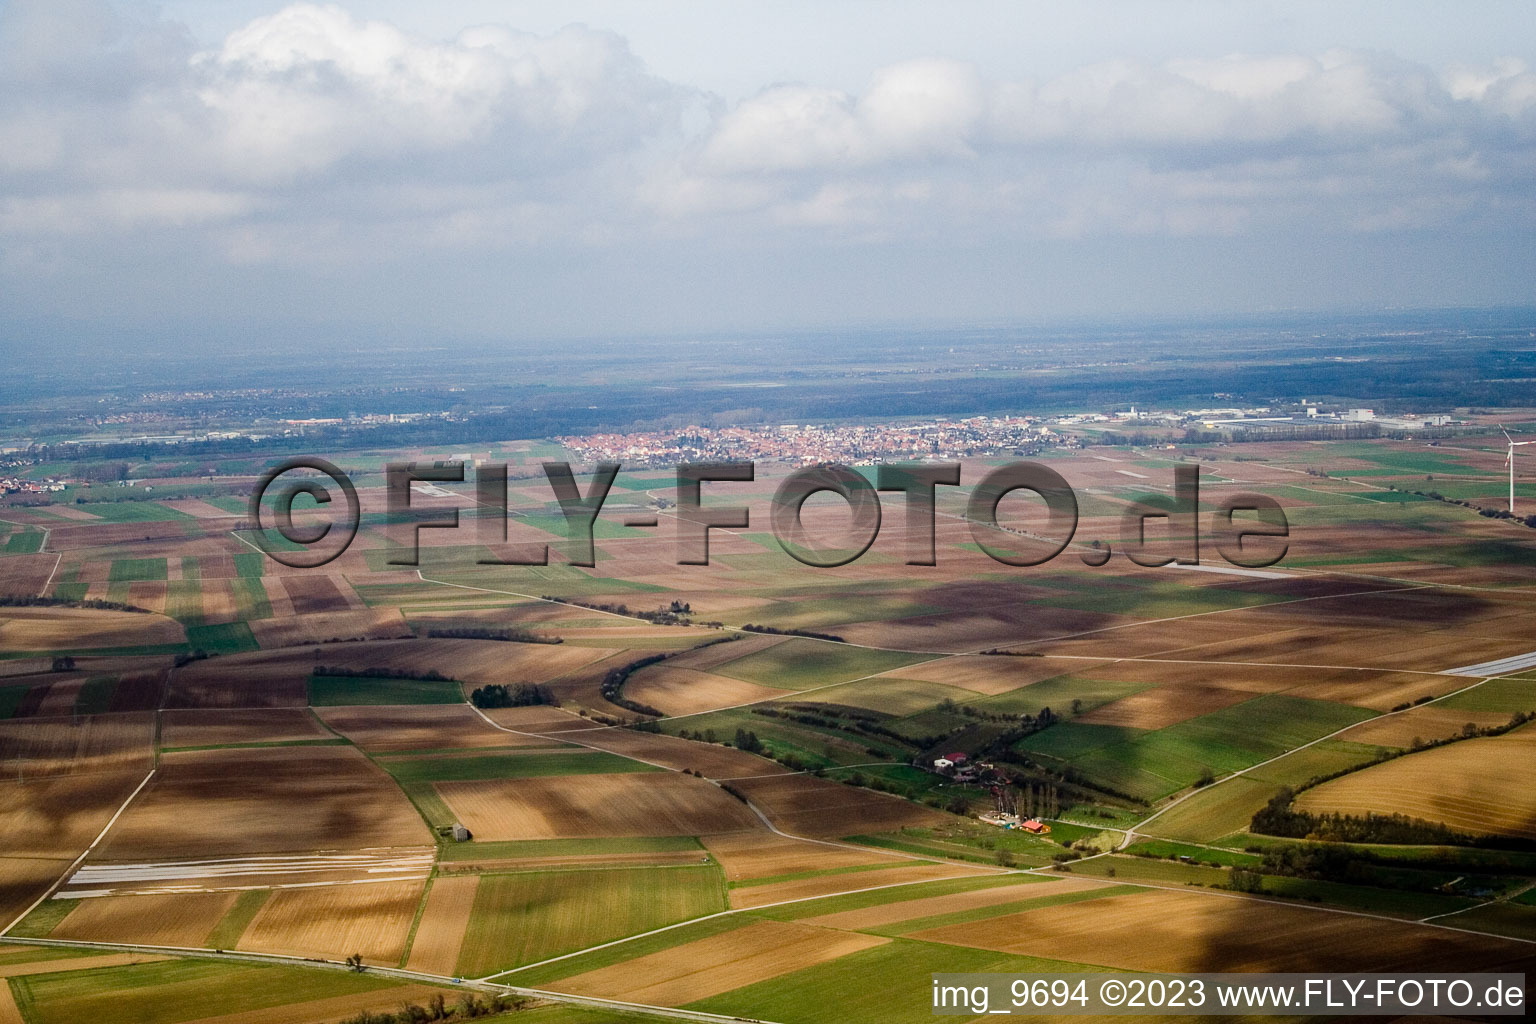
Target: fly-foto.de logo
(1247, 530)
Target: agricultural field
(337, 921)
(589, 806)
(305, 743)
(523, 918)
(228, 802)
(1483, 786)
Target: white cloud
(311, 137)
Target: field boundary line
(69, 871)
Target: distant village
(943, 438)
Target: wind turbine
(1509, 460)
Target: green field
(1220, 810)
(44, 918)
(598, 958)
(1505, 696)
(176, 990)
(1073, 739)
(133, 511)
(334, 691)
(1157, 763)
(1323, 758)
(888, 984)
(1393, 902)
(226, 934)
(95, 696)
(1142, 597)
(823, 613)
(134, 570)
(797, 664)
(817, 746)
(250, 599)
(880, 897)
(224, 638)
(523, 918)
(10, 698)
(249, 564)
(1157, 848)
(892, 695)
(24, 542)
(184, 600)
(1058, 693)
(509, 766)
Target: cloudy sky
(526, 170)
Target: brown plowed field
(54, 629)
(182, 919)
(683, 691)
(203, 727)
(58, 816)
(311, 595)
(930, 906)
(419, 727)
(819, 808)
(989, 674)
(1164, 705)
(336, 921)
(370, 624)
(256, 679)
(583, 806)
(721, 963)
(1426, 723)
(1483, 786)
(752, 854)
(712, 657)
(213, 803)
(1188, 932)
(475, 661)
(538, 720)
(440, 934)
(25, 575)
(23, 880)
(95, 743)
(59, 699)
